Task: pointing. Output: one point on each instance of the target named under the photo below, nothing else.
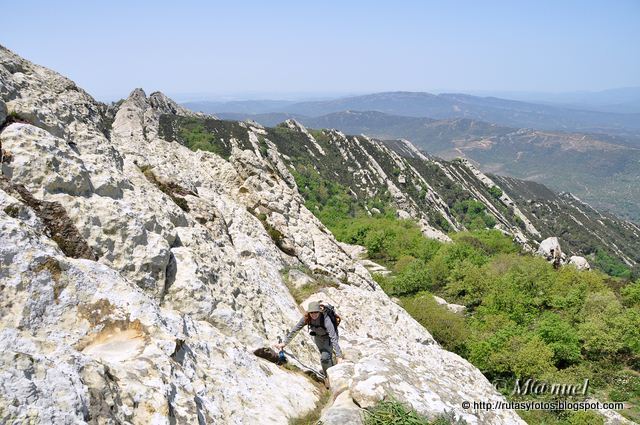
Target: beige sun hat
(314, 306)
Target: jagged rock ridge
(423, 187)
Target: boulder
(579, 262)
(343, 411)
(456, 308)
(551, 251)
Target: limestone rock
(375, 268)
(298, 279)
(403, 215)
(402, 360)
(343, 411)
(357, 252)
(43, 162)
(579, 262)
(551, 251)
(186, 283)
(456, 308)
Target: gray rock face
(161, 325)
(3, 112)
(298, 279)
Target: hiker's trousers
(323, 342)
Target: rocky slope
(601, 168)
(430, 190)
(138, 276)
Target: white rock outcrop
(137, 279)
(551, 251)
(579, 262)
(455, 308)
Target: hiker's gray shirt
(316, 325)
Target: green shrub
(625, 386)
(388, 412)
(446, 327)
(631, 294)
(495, 191)
(585, 418)
(561, 337)
(473, 214)
(510, 350)
(414, 278)
(610, 265)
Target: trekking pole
(319, 374)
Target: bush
(561, 337)
(473, 214)
(447, 327)
(510, 351)
(414, 278)
(387, 238)
(495, 191)
(610, 265)
(388, 412)
(625, 386)
(631, 294)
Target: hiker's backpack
(330, 311)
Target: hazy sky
(265, 49)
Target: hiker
(324, 335)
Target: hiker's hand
(339, 360)
(279, 346)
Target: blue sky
(290, 49)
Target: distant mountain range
(619, 100)
(510, 113)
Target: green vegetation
(473, 214)
(330, 201)
(393, 412)
(448, 328)
(524, 319)
(610, 265)
(204, 134)
(546, 417)
(495, 191)
(195, 136)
